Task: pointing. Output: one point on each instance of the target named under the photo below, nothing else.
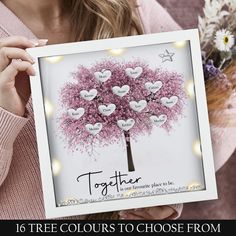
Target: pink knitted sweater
(20, 184)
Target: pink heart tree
(115, 100)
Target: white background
(157, 158)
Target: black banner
(56, 227)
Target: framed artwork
(122, 123)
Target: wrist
(10, 126)
(17, 109)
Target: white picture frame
(208, 192)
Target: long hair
(99, 19)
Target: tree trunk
(129, 152)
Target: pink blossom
(74, 131)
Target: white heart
(103, 75)
(107, 110)
(134, 73)
(138, 106)
(153, 87)
(94, 129)
(126, 124)
(169, 102)
(121, 91)
(76, 114)
(88, 95)
(159, 120)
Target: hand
(151, 213)
(15, 67)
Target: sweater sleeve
(155, 18)
(10, 126)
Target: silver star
(167, 56)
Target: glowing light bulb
(197, 148)
(180, 44)
(117, 51)
(189, 87)
(48, 107)
(194, 186)
(69, 202)
(56, 167)
(129, 193)
(54, 59)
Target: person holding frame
(26, 24)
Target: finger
(130, 216)
(128, 213)
(14, 68)
(7, 54)
(17, 41)
(140, 213)
(160, 213)
(21, 42)
(42, 42)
